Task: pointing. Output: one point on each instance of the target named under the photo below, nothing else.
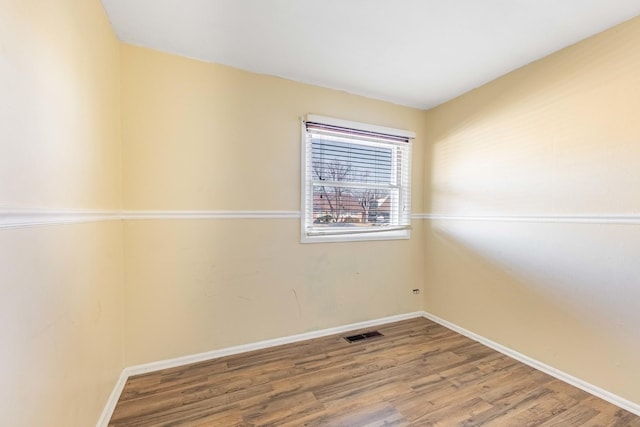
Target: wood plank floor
(418, 374)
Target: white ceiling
(418, 53)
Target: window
(355, 181)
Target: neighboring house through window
(355, 181)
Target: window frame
(399, 232)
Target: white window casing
(356, 181)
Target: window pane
(343, 161)
(354, 207)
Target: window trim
(397, 232)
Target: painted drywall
(559, 137)
(201, 136)
(61, 307)
(60, 98)
(61, 294)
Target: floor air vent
(360, 337)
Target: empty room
(319, 213)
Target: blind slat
(352, 184)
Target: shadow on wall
(564, 294)
(558, 137)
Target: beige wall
(558, 137)
(60, 106)
(61, 296)
(201, 136)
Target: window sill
(359, 237)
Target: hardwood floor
(418, 374)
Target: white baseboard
(103, 421)
(214, 354)
(550, 370)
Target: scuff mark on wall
(295, 294)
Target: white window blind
(356, 181)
